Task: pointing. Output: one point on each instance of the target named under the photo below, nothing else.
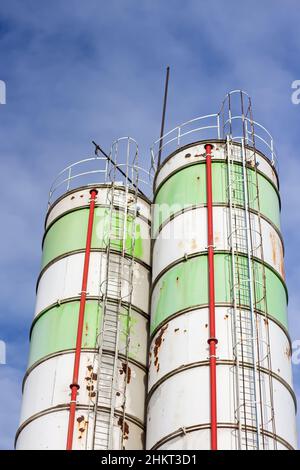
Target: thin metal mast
(163, 116)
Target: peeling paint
(125, 428)
(82, 426)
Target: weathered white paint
(190, 389)
(81, 198)
(196, 153)
(49, 431)
(63, 279)
(186, 234)
(183, 341)
(48, 386)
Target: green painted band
(56, 330)
(186, 285)
(68, 234)
(82, 188)
(210, 141)
(187, 187)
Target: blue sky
(77, 71)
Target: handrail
(215, 126)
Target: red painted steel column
(212, 341)
(74, 385)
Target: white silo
(85, 383)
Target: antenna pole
(163, 116)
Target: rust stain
(90, 378)
(126, 369)
(194, 244)
(226, 316)
(125, 428)
(281, 263)
(266, 321)
(82, 426)
(288, 352)
(274, 250)
(86, 332)
(200, 154)
(158, 342)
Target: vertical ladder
(117, 288)
(107, 406)
(268, 413)
(244, 322)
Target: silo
(220, 353)
(84, 387)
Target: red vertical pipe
(212, 341)
(74, 385)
